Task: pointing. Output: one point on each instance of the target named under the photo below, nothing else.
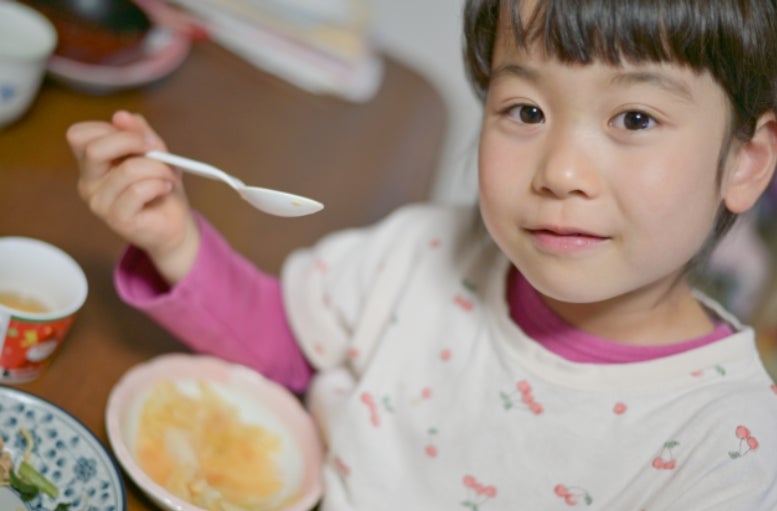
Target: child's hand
(140, 199)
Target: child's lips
(565, 239)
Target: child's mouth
(564, 239)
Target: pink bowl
(164, 50)
(259, 396)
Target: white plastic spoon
(270, 201)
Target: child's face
(599, 181)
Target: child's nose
(567, 167)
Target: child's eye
(527, 114)
(634, 120)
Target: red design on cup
(42, 289)
(26, 346)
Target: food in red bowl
(108, 32)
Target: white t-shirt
(429, 397)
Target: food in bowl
(192, 441)
(197, 433)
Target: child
(557, 357)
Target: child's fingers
(130, 203)
(135, 122)
(79, 135)
(96, 145)
(101, 193)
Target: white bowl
(27, 40)
(258, 402)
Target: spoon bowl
(270, 201)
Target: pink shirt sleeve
(225, 306)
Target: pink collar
(540, 323)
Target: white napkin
(322, 46)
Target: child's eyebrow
(667, 83)
(515, 70)
(624, 78)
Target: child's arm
(142, 200)
(224, 306)
(196, 287)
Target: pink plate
(263, 400)
(164, 50)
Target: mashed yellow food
(195, 445)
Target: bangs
(611, 31)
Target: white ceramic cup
(27, 40)
(41, 290)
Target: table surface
(360, 160)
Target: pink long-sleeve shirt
(227, 307)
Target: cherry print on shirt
(774, 388)
(573, 495)
(526, 399)
(431, 449)
(387, 404)
(461, 299)
(715, 370)
(435, 243)
(445, 355)
(619, 408)
(423, 395)
(665, 459)
(321, 265)
(477, 493)
(747, 443)
(341, 467)
(372, 407)
(463, 302)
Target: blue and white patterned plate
(64, 451)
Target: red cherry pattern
(369, 402)
(321, 265)
(665, 459)
(715, 370)
(747, 442)
(431, 449)
(573, 495)
(464, 303)
(619, 408)
(341, 467)
(478, 493)
(524, 388)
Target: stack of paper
(322, 46)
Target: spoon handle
(270, 201)
(196, 167)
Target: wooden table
(361, 160)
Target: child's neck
(648, 318)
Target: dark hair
(734, 40)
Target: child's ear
(753, 166)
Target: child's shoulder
(433, 222)
(435, 214)
(410, 226)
